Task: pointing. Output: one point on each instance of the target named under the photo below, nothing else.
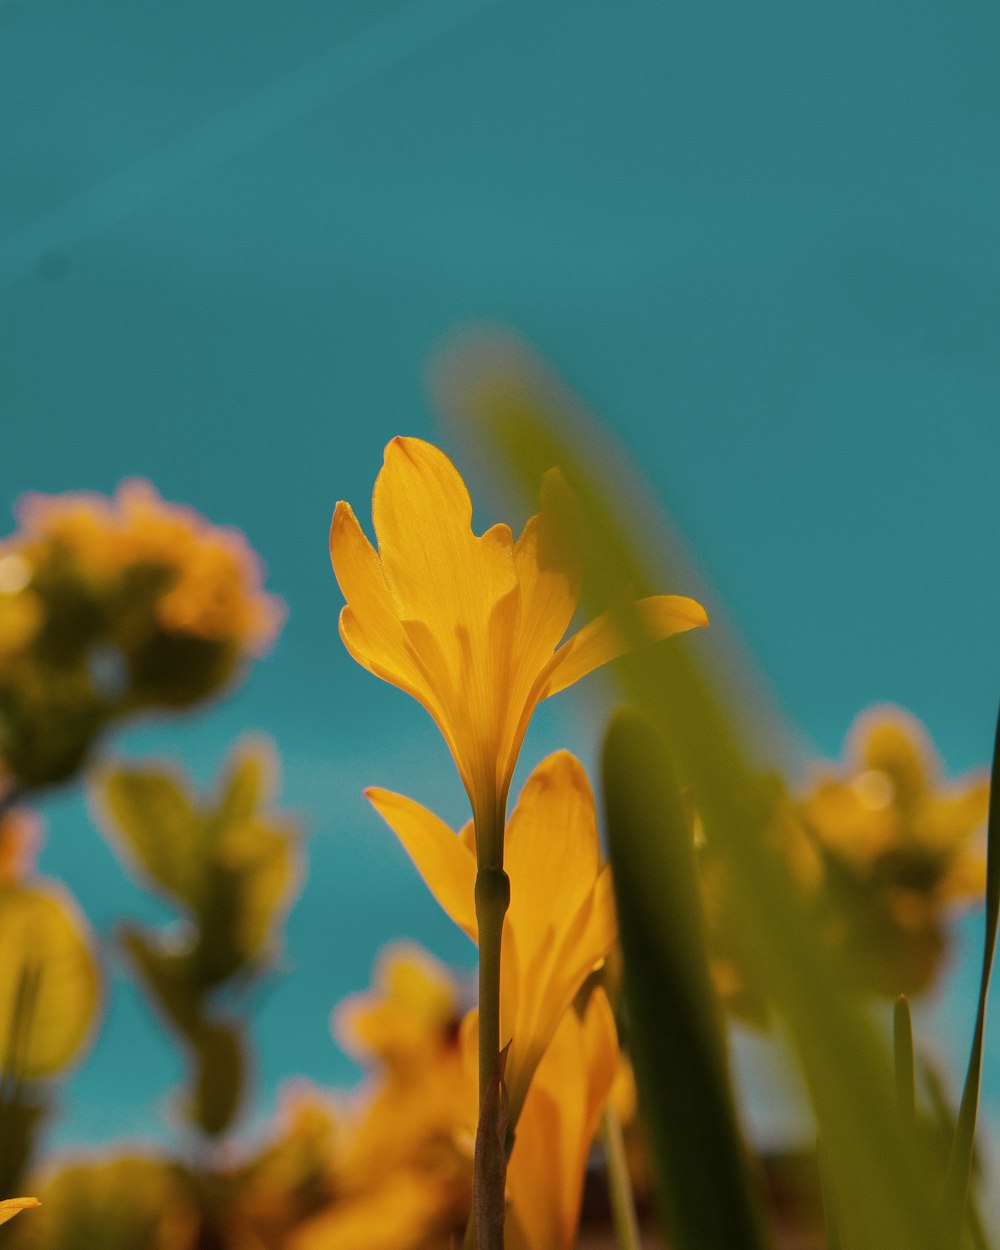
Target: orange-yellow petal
(435, 566)
(601, 641)
(548, 1163)
(561, 923)
(444, 861)
(9, 1207)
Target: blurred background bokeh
(762, 246)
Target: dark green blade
(674, 1031)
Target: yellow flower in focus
(9, 1207)
(561, 922)
(901, 846)
(469, 625)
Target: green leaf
(956, 1188)
(166, 977)
(902, 1036)
(220, 1071)
(151, 820)
(718, 739)
(50, 984)
(674, 1032)
(247, 782)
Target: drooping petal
(443, 860)
(601, 641)
(547, 1166)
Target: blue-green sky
(761, 241)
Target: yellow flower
(9, 1207)
(412, 1011)
(212, 575)
(561, 921)
(901, 843)
(470, 625)
(547, 1166)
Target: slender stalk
(492, 901)
(619, 1183)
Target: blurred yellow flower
(561, 922)
(412, 1010)
(212, 576)
(110, 607)
(469, 625)
(900, 846)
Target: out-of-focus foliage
(113, 1203)
(676, 1029)
(110, 607)
(882, 1180)
(49, 981)
(231, 868)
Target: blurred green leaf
(247, 783)
(902, 1036)
(220, 1071)
(960, 1163)
(158, 829)
(165, 975)
(49, 981)
(674, 1030)
(883, 1185)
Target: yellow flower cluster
(112, 606)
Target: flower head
(561, 922)
(470, 625)
(900, 847)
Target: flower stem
(619, 1185)
(492, 901)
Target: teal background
(760, 240)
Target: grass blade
(674, 1033)
(956, 1188)
(902, 1038)
(882, 1181)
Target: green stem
(492, 901)
(619, 1183)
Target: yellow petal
(435, 566)
(600, 641)
(10, 1207)
(546, 1172)
(443, 860)
(551, 849)
(561, 922)
(372, 630)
